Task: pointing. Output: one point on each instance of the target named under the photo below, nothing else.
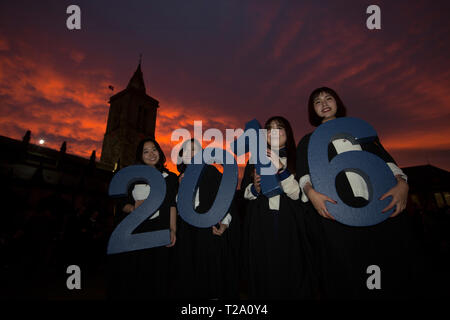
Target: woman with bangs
(275, 250)
(342, 254)
(147, 273)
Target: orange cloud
(422, 139)
(4, 44)
(61, 107)
(54, 104)
(276, 61)
(77, 56)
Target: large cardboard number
(270, 185)
(225, 194)
(122, 239)
(371, 168)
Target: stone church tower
(132, 117)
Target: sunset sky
(227, 62)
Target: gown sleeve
(377, 148)
(121, 202)
(247, 178)
(213, 178)
(208, 187)
(247, 186)
(302, 167)
(222, 250)
(172, 189)
(289, 184)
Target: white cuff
(397, 171)
(140, 191)
(291, 187)
(274, 202)
(154, 216)
(227, 219)
(303, 180)
(248, 194)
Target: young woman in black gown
(207, 258)
(343, 253)
(275, 250)
(147, 273)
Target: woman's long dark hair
(290, 141)
(161, 165)
(314, 119)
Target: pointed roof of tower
(136, 85)
(137, 80)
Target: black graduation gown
(147, 273)
(275, 254)
(343, 253)
(207, 264)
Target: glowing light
(42, 141)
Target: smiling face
(189, 151)
(150, 154)
(273, 136)
(325, 106)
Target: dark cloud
(226, 62)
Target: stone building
(132, 117)
(429, 187)
(36, 178)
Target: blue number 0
(122, 239)
(371, 168)
(225, 194)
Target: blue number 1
(270, 185)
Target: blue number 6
(371, 168)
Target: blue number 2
(371, 168)
(122, 239)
